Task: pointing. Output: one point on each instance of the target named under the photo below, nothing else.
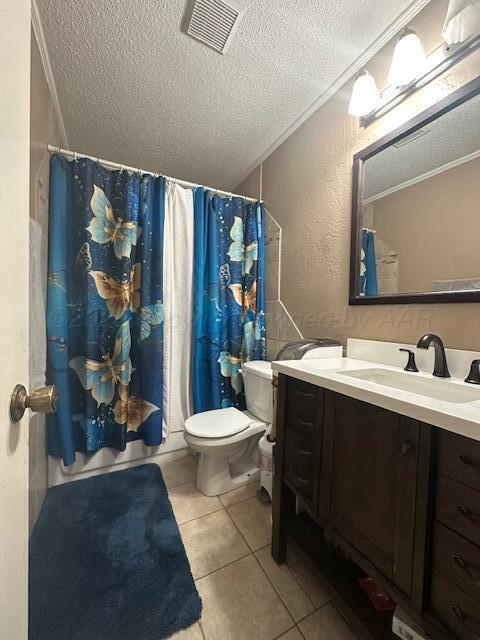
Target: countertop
(460, 418)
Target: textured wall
(252, 185)
(43, 130)
(307, 188)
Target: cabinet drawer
(458, 507)
(457, 611)
(299, 463)
(306, 428)
(459, 458)
(304, 407)
(457, 559)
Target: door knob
(42, 400)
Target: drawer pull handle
(305, 483)
(457, 612)
(460, 615)
(305, 394)
(470, 462)
(466, 512)
(472, 572)
(301, 451)
(303, 422)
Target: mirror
(416, 208)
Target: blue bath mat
(107, 562)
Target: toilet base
(216, 476)
(228, 463)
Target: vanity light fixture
(462, 21)
(365, 96)
(411, 69)
(408, 62)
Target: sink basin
(435, 388)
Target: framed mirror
(416, 208)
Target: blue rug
(107, 562)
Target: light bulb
(365, 97)
(408, 60)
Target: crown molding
(351, 71)
(42, 46)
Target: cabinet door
(368, 488)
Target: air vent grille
(413, 136)
(212, 22)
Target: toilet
(227, 439)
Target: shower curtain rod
(115, 165)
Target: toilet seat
(217, 423)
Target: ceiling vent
(213, 22)
(413, 136)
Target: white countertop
(461, 418)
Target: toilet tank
(257, 381)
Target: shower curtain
(155, 298)
(178, 306)
(368, 264)
(229, 298)
(105, 307)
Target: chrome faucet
(440, 368)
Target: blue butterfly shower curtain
(229, 297)
(368, 264)
(104, 307)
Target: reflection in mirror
(420, 209)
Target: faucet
(440, 368)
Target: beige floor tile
(192, 633)
(188, 503)
(240, 494)
(179, 471)
(326, 624)
(293, 634)
(308, 578)
(254, 519)
(293, 595)
(212, 542)
(240, 604)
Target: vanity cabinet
(455, 581)
(399, 497)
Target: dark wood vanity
(383, 495)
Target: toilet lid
(219, 423)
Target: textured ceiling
(452, 136)
(135, 89)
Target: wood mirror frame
(458, 97)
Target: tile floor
(245, 594)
